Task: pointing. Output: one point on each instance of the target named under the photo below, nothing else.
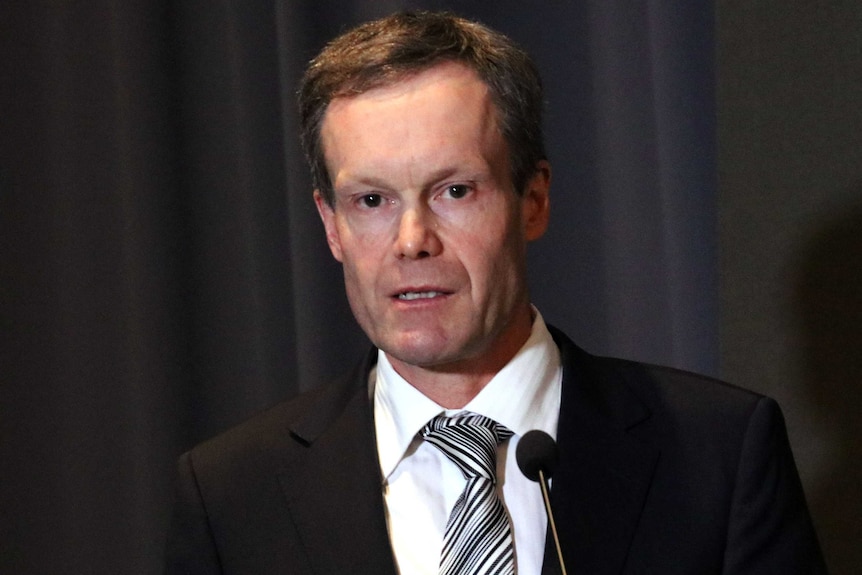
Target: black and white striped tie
(478, 538)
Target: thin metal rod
(543, 483)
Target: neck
(455, 384)
(449, 390)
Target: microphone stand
(543, 483)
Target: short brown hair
(382, 52)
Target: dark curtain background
(164, 274)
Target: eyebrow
(373, 181)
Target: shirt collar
(524, 395)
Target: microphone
(537, 456)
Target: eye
(457, 191)
(371, 200)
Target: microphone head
(537, 451)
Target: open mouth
(416, 295)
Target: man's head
(421, 208)
(382, 52)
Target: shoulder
(280, 432)
(697, 410)
(652, 383)
(669, 402)
(668, 389)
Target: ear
(535, 206)
(327, 215)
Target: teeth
(418, 295)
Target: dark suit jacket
(661, 472)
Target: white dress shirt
(421, 484)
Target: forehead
(445, 106)
(442, 82)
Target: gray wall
(790, 238)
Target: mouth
(416, 295)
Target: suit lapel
(604, 473)
(334, 494)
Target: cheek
(364, 239)
(359, 288)
(496, 261)
(362, 267)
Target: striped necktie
(478, 538)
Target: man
(424, 135)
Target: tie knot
(469, 440)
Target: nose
(417, 237)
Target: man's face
(426, 223)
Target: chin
(433, 353)
(422, 351)
(422, 357)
